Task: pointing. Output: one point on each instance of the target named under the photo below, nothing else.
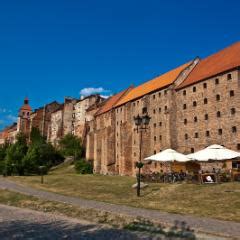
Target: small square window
(154, 96)
(155, 125)
(205, 101)
(207, 133)
(233, 111)
(165, 108)
(184, 92)
(192, 150)
(205, 85)
(220, 131)
(194, 89)
(160, 137)
(184, 106)
(238, 146)
(231, 93)
(194, 103)
(196, 135)
(159, 94)
(160, 124)
(155, 138)
(218, 97)
(185, 121)
(218, 114)
(159, 110)
(165, 92)
(144, 110)
(154, 152)
(216, 81)
(195, 119)
(154, 111)
(186, 136)
(206, 116)
(229, 76)
(234, 129)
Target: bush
(83, 167)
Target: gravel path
(19, 224)
(205, 225)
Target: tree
(36, 137)
(15, 154)
(40, 153)
(3, 152)
(71, 145)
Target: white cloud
(4, 110)
(105, 96)
(92, 90)
(12, 118)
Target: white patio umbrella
(214, 152)
(168, 155)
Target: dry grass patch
(221, 201)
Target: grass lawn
(220, 201)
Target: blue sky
(51, 49)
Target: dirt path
(205, 225)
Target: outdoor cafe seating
(192, 168)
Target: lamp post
(13, 168)
(141, 123)
(41, 168)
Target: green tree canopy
(15, 154)
(36, 137)
(41, 154)
(71, 145)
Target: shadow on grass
(60, 230)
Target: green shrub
(83, 167)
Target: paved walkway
(205, 225)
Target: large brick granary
(191, 107)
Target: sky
(53, 49)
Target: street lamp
(141, 123)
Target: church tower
(23, 124)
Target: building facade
(191, 107)
(41, 117)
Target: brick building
(191, 107)
(82, 114)
(9, 134)
(23, 124)
(101, 139)
(41, 117)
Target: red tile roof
(226, 59)
(112, 101)
(159, 82)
